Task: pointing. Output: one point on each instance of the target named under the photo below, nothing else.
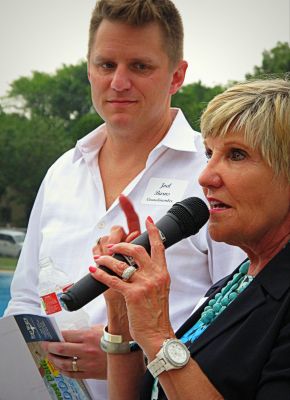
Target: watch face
(177, 353)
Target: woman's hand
(117, 233)
(116, 307)
(146, 292)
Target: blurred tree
(83, 125)
(65, 94)
(52, 111)
(192, 99)
(275, 63)
(27, 148)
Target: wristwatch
(173, 355)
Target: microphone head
(192, 213)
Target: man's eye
(237, 154)
(140, 67)
(208, 153)
(108, 65)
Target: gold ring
(74, 364)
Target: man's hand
(80, 355)
(91, 361)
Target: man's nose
(121, 79)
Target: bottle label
(51, 301)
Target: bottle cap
(45, 262)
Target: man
(145, 150)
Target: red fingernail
(149, 219)
(109, 245)
(92, 269)
(96, 256)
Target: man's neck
(124, 155)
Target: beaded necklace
(215, 307)
(220, 302)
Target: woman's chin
(222, 235)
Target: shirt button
(101, 225)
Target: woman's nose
(210, 176)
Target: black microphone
(184, 219)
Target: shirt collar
(180, 137)
(91, 143)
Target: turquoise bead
(220, 301)
(217, 307)
(226, 289)
(233, 296)
(221, 310)
(225, 301)
(210, 314)
(227, 294)
(236, 278)
(234, 287)
(244, 267)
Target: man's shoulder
(65, 159)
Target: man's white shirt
(69, 215)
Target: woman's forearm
(125, 372)
(188, 383)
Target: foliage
(65, 95)
(52, 111)
(27, 148)
(192, 99)
(83, 125)
(275, 62)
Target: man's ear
(88, 71)
(178, 76)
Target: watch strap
(156, 367)
(113, 344)
(162, 362)
(108, 337)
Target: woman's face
(248, 204)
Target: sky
(224, 39)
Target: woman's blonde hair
(261, 111)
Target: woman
(239, 339)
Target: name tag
(164, 191)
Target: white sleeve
(24, 286)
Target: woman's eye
(237, 154)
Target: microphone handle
(88, 288)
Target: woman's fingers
(156, 244)
(132, 218)
(113, 282)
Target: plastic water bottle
(52, 283)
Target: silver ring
(74, 364)
(128, 272)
